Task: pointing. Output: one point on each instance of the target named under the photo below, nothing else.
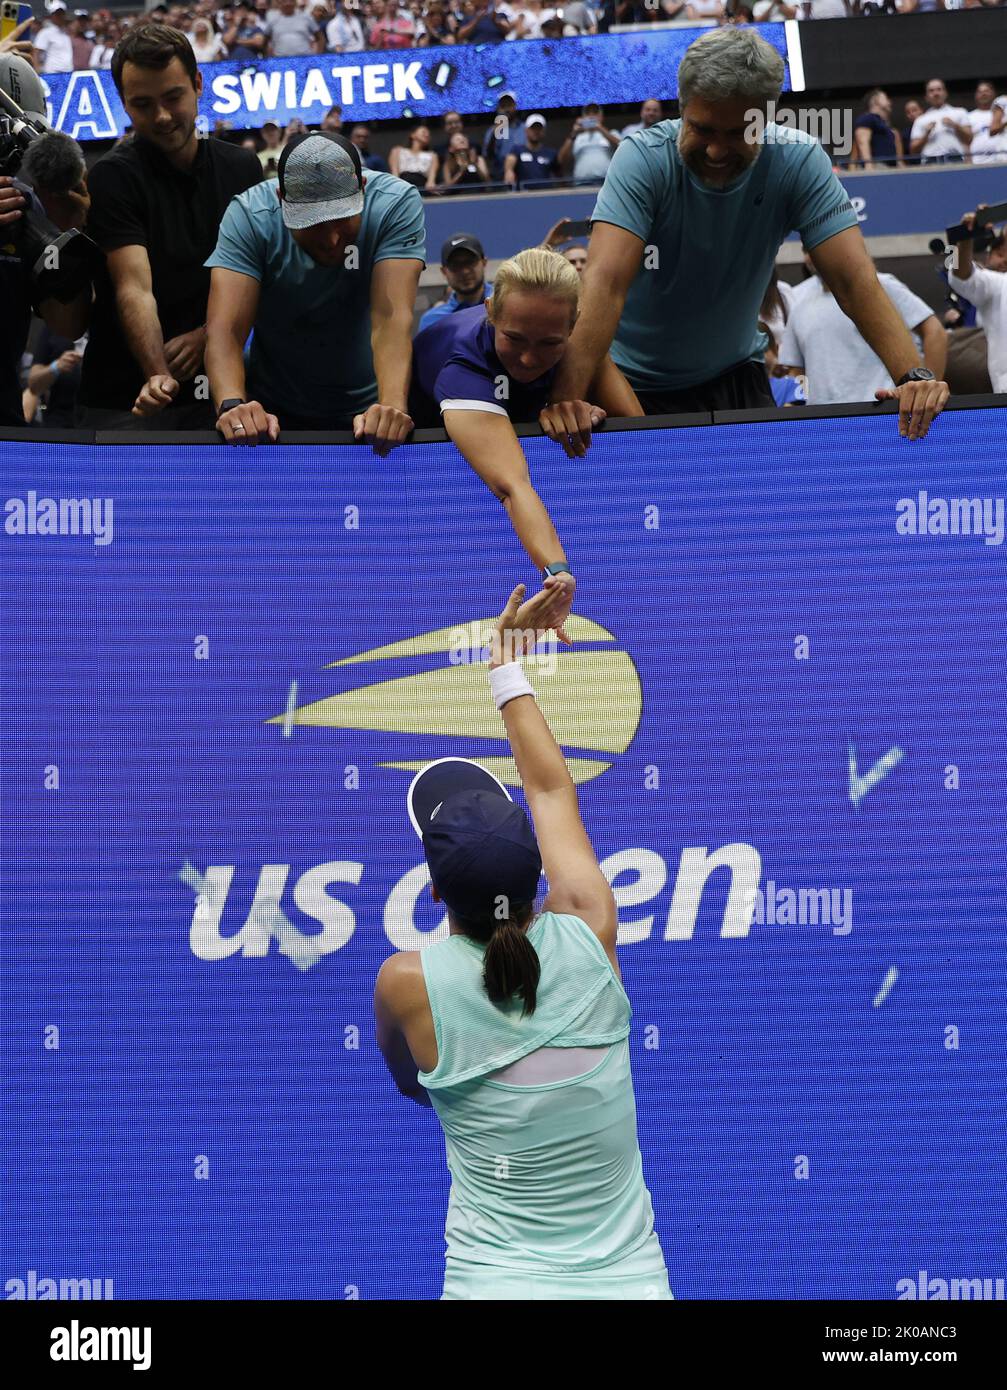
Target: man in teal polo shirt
(323, 263)
(685, 234)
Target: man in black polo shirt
(877, 143)
(533, 160)
(156, 205)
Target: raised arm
(576, 882)
(491, 448)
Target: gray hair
(54, 163)
(730, 64)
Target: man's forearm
(590, 341)
(613, 393)
(224, 361)
(935, 347)
(392, 350)
(864, 301)
(142, 329)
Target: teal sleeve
(628, 197)
(403, 232)
(820, 205)
(238, 247)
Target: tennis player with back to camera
(515, 1027)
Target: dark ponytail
(510, 964)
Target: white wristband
(509, 681)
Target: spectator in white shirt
(825, 345)
(589, 147)
(207, 45)
(53, 46)
(989, 127)
(293, 33)
(527, 20)
(101, 53)
(987, 290)
(650, 113)
(824, 9)
(345, 33)
(579, 17)
(943, 132)
(772, 11)
(705, 9)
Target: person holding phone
(484, 369)
(484, 24)
(986, 288)
(587, 151)
(563, 231)
(244, 38)
(463, 164)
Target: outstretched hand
(521, 625)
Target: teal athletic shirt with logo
(692, 311)
(548, 1198)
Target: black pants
(744, 387)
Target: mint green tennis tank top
(546, 1177)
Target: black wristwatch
(556, 568)
(229, 404)
(917, 374)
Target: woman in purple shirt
(485, 368)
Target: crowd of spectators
(934, 130)
(516, 150)
(80, 38)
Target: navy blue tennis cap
(479, 844)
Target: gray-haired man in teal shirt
(685, 233)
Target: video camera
(59, 263)
(982, 235)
